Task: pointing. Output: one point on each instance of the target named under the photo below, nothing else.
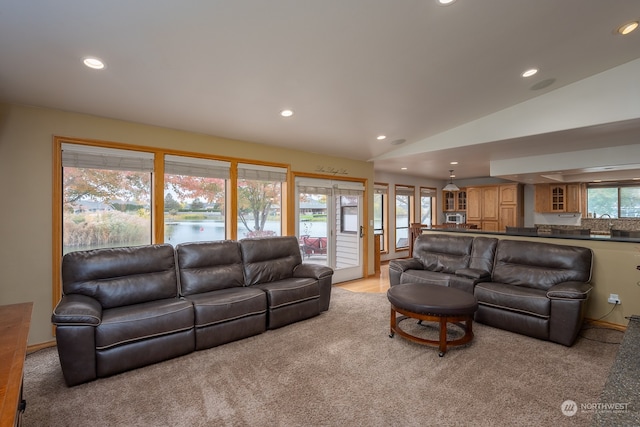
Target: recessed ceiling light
(94, 63)
(381, 137)
(626, 28)
(446, 2)
(404, 169)
(286, 113)
(453, 163)
(530, 72)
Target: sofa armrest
(75, 309)
(569, 290)
(401, 265)
(473, 273)
(315, 271)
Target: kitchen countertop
(594, 236)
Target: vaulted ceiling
(442, 83)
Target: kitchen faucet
(610, 222)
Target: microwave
(455, 218)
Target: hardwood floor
(373, 284)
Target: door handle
(361, 231)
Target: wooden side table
(15, 320)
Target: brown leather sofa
(442, 259)
(537, 289)
(532, 288)
(123, 308)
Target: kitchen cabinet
(558, 198)
(454, 201)
(511, 206)
(495, 207)
(461, 200)
(575, 198)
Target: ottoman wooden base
(432, 303)
(442, 343)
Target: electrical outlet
(614, 299)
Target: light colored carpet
(337, 369)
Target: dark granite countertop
(619, 403)
(598, 237)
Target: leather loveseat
(532, 288)
(123, 308)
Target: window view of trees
(194, 208)
(427, 199)
(617, 202)
(107, 198)
(404, 215)
(402, 221)
(259, 207)
(259, 200)
(103, 208)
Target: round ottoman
(432, 303)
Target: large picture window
(194, 199)
(260, 200)
(622, 201)
(106, 197)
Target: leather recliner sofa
(537, 289)
(533, 288)
(441, 259)
(124, 308)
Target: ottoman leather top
(423, 298)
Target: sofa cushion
(442, 252)
(281, 293)
(483, 254)
(121, 276)
(269, 259)
(137, 322)
(540, 265)
(425, 276)
(514, 298)
(209, 266)
(227, 304)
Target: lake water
(201, 231)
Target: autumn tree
(171, 204)
(197, 204)
(185, 187)
(255, 199)
(105, 186)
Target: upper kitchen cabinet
(557, 198)
(454, 201)
(495, 207)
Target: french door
(329, 225)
